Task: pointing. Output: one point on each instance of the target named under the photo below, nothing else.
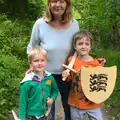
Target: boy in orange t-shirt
(79, 104)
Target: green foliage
(102, 18)
(112, 58)
(3, 17)
(26, 9)
(11, 72)
(36, 8)
(14, 37)
(13, 63)
(2, 117)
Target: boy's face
(38, 63)
(83, 46)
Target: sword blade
(14, 115)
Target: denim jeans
(93, 114)
(52, 113)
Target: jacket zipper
(42, 98)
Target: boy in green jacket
(38, 89)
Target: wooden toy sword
(14, 115)
(70, 65)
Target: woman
(54, 33)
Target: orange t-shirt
(76, 96)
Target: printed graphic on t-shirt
(77, 86)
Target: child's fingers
(103, 61)
(65, 74)
(49, 101)
(48, 98)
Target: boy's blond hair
(37, 51)
(67, 16)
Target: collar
(32, 76)
(36, 77)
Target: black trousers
(64, 88)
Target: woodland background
(100, 17)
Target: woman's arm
(34, 40)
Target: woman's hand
(49, 101)
(29, 70)
(102, 61)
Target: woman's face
(57, 7)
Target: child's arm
(23, 99)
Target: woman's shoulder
(40, 21)
(75, 24)
(75, 21)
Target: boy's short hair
(37, 51)
(81, 34)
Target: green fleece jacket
(34, 94)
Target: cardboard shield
(98, 82)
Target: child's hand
(49, 101)
(102, 61)
(65, 74)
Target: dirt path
(60, 114)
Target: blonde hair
(37, 51)
(67, 16)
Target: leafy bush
(14, 37)
(112, 58)
(13, 63)
(11, 72)
(2, 117)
